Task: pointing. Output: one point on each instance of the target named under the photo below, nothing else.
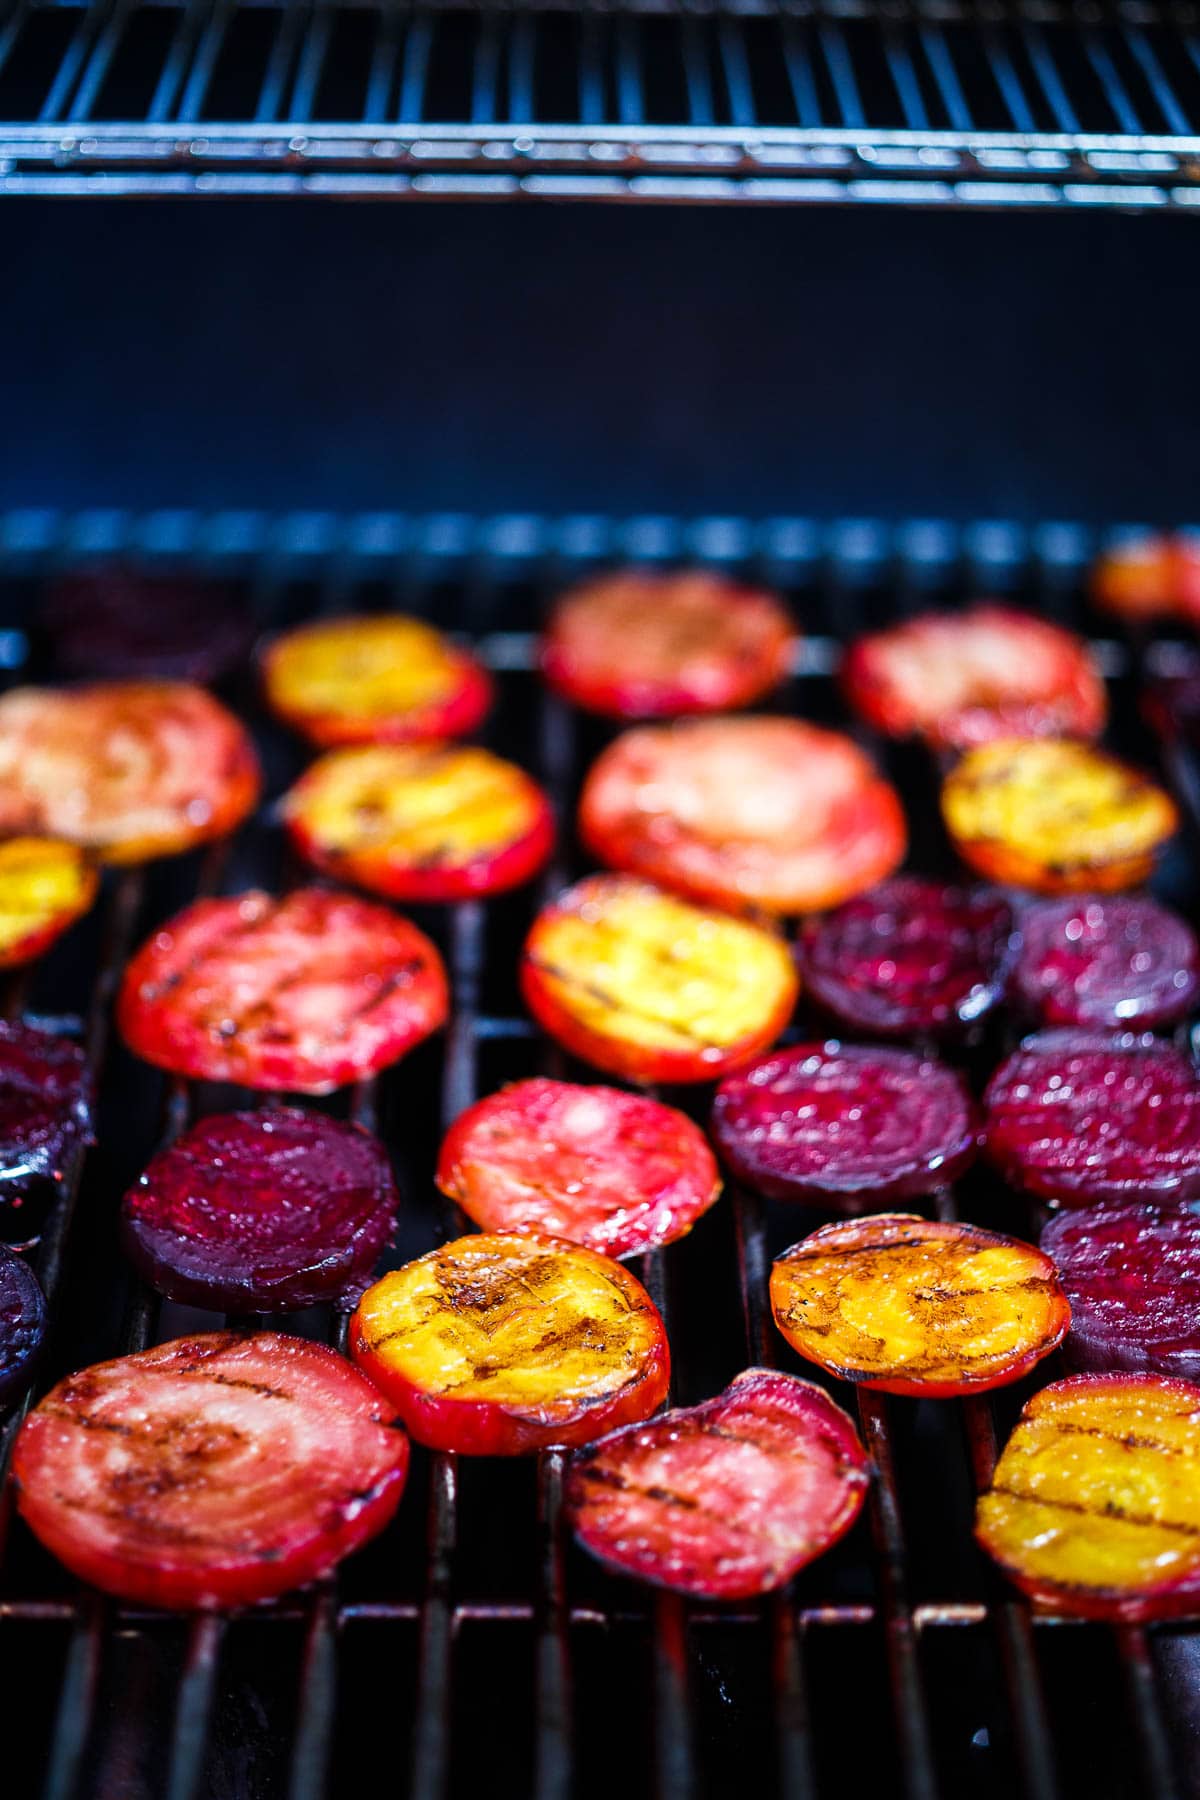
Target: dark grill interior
(472, 1647)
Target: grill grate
(1028, 102)
(479, 1644)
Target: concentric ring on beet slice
(911, 956)
(1078, 1117)
(45, 1114)
(844, 1125)
(22, 1324)
(1131, 1271)
(1106, 960)
(263, 1212)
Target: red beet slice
(263, 1212)
(1108, 960)
(1131, 1270)
(45, 1113)
(1079, 1116)
(22, 1324)
(910, 956)
(125, 623)
(844, 1125)
(723, 1500)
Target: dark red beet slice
(263, 1212)
(45, 1112)
(844, 1125)
(1107, 960)
(910, 956)
(1081, 1116)
(22, 1324)
(1131, 1270)
(123, 622)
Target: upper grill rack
(937, 102)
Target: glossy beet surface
(45, 1113)
(727, 1499)
(844, 1125)
(263, 1212)
(22, 1324)
(910, 956)
(124, 622)
(1079, 1116)
(1108, 960)
(1131, 1270)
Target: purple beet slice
(1082, 1116)
(910, 956)
(263, 1212)
(844, 1125)
(1107, 960)
(116, 622)
(22, 1324)
(45, 1114)
(1131, 1271)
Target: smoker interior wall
(627, 359)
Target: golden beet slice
(381, 679)
(421, 821)
(1147, 578)
(1056, 815)
(653, 988)
(504, 1343)
(1094, 1507)
(910, 1306)
(45, 885)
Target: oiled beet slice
(263, 1212)
(45, 1112)
(1108, 960)
(1079, 1116)
(910, 956)
(844, 1125)
(1131, 1270)
(119, 622)
(723, 1500)
(22, 1324)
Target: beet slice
(844, 1125)
(115, 622)
(22, 1324)
(1131, 1270)
(45, 1114)
(1079, 1116)
(911, 956)
(724, 1500)
(263, 1212)
(1106, 960)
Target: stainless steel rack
(977, 103)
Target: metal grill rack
(472, 1643)
(1035, 103)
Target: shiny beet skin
(1108, 960)
(263, 1212)
(1131, 1271)
(22, 1324)
(45, 1113)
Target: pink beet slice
(1107, 960)
(723, 1500)
(263, 1212)
(22, 1324)
(45, 1113)
(1131, 1271)
(844, 1125)
(910, 956)
(116, 622)
(1079, 1116)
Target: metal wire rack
(472, 1642)
(1036, 103)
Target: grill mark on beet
(1109, 1511)
(619, 1008)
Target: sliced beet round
(1131, 1270)
(844, 1125)
(727, 1499)
(22, 1324)
(1079, 1116)
(116, 622)
(1107, 960)
(45, 1114)
(263, 1212)
(910, 956)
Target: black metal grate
(471, 1644)
(968, 102)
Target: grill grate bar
(279, 67)
(941, 63)
(189, 1737)
(1137, 1664)
(1147, 60)
(418, 44)
(1115, 91)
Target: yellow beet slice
(45, 885)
